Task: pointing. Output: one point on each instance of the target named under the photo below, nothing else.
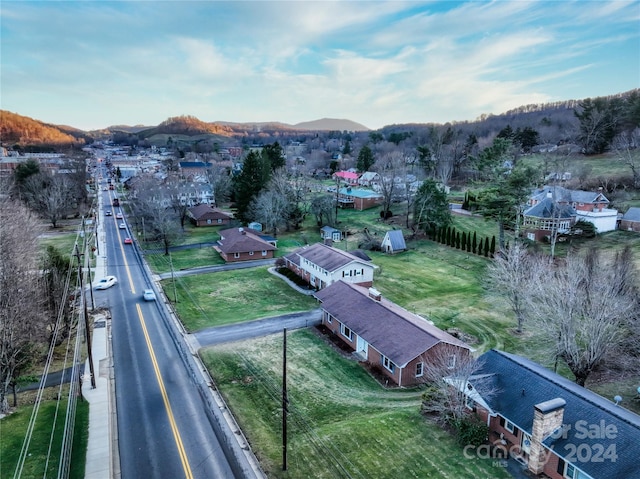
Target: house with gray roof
(382, 334)
(244, 244)
(557, 428)
(547, 216)
(321, 265)
(393, 242)
(591, 206)
(330, 233)
(631, 220)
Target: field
(341, 422)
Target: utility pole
(173, 280)
(87, 332)
(285, 401)
(88, 259)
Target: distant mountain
(128, 129)
(186, 125)
(26, 132)
(330, 124)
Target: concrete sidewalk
(102, 454)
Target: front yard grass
(226, 297)
(341, 421)
(13, 430)
(184, 259)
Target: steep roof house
(591, 206)
(348, 177)
(369, 178)
(243, 244)
(631, 220)
(558, 428)
(546, 216)
(321, 265)
(393, 242)
(382, 333)
(206, 215)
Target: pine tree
(463, 245)
(458, 240)
(492, 250)
(486, 247)
(474, 245)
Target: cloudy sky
(92, 64)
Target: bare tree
(270, 208)
(20, 293)
(50, 195)
(510, 274)
(220, 182)
(323, 207)
(392, 170)
(446, 373)
(627, 150)
(580, 311)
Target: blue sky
(93, 64)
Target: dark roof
(395, 332)
(396, 239)
(194, 164)
(547, 208)
(242, 240)
(205, 211)
(358, 253)
(562, 194)
(521, 384)
(632, 214)
(326, 257)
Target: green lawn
(341, 421)
(184, 259)
(13, 430)
(216, 299)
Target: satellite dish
(617, 399)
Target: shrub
(470, 430)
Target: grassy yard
(13, 431)
(216, 299)
(184, 259)
(341, 421)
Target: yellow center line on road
(165, 398)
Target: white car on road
(106, 282)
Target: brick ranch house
(382, 334)
(206, 215)
(244, 244)
(321, 265)
(558, 428)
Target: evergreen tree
(365, 159)
(458, 240)
(463, 244)
(492, 249)
(274, 155)
(486, 246)
(474, 245)
(254, 176)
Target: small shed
(393, 242)
(631, 220)
(255, 226)
(329, 233)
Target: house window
(386, 362)
(531, 236)
(328, 317)
(346, 332)
(264, 252)
(219, 220)
(570, 471)
(208, 222)
(250, 253)
(451, 363)
(509, 426)
(236, 255)
(419, 369)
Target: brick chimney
(375, 294)
(547, 418)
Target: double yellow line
(165, 398)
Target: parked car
(128, 241)
(106, 282)
(122, 226)
(149, 295)
(108, 213)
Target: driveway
(254, 329)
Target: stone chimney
(547, 418)
(375, 294)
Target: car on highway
(149, 295)
(108, 213)
(118, 216)
(106, 282)
(128, 241)
(122, 226)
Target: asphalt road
(163, 428)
